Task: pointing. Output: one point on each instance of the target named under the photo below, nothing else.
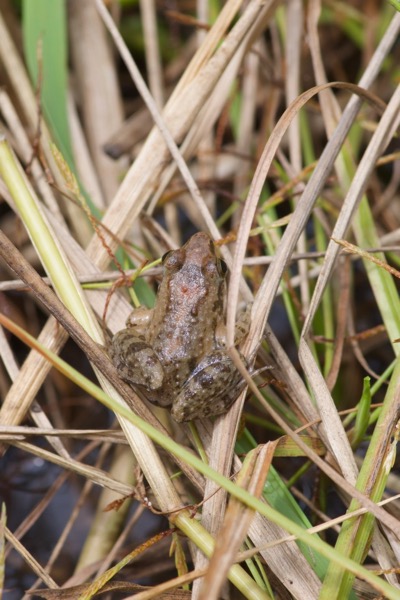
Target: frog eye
(173, 259)
(222, 266)
(165, 256)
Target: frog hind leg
(210, 390)
(135, 360)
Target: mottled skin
(175, 352)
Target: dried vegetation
(274, 127)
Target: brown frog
(174, 353)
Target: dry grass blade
(153, 59)
(30, 560)
(293, 57)
(3, 519)
(158, 591)
(95, 69)
(12, 412)
(237, 521)
(355, 250)
(90, 473)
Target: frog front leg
(210, 390)
(134, 358)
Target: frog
(175, 353)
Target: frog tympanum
(174, 353)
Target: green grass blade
(45, 45)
